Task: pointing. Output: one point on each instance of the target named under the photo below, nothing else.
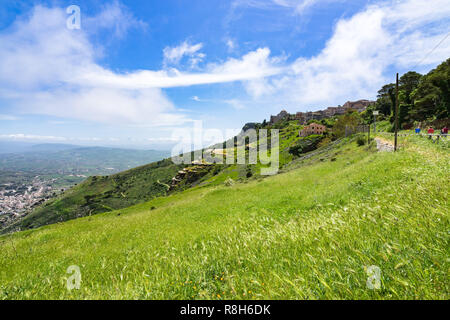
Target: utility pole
(396, 113)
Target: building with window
(313, 128)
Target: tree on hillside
(386, 99)
(407, 84)
(350, 120)
(367, 114)
(432, 95)
(328, 122)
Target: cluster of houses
(304, 117)
(314, 128)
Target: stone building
(313, 128)
(304, 117)
(359, 105)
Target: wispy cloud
(253, 65)
(173, 55)
(115, 18)
(7, 117)
(49, 138)
(22, 136)
(300, 6)
(231, 44)
(297, 6)
(236, 104)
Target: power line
(429, 53)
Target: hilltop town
(304, 117)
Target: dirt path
(384, 145)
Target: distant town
(18, 200)
(304, 117)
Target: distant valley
(41, 172)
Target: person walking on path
(417, 130)
(444, 131)
(430, 132)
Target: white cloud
(254, 65)
(355, 59)
(175, 54)
(47, 69)
(106, 105)
(22, 136)
(43, 70)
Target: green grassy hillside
(106, 193)
(307, 233)
(99, 194)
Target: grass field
(308, 233)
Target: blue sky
(138, 70)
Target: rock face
(248, 126)
(283, 115)
(189, 175)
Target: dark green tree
(432, 96)
(407, 84)
(386, 99)
(367, 115)
(350, 120)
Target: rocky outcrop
(189, 175)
